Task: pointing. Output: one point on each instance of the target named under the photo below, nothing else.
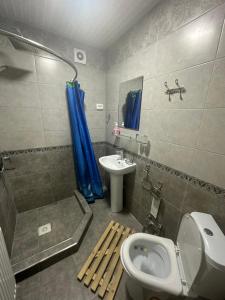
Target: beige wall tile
(19, 94)
(91, 77)
(183, 126)
(57, 138)
(21, 139)
(52, 96)
(14, 118)
(193, 44)
(174, 156)
(221, 48)
(95, 119)
(196, 82)
(92, 97)
(55, 119)
(111, 118)
(52, 71)
(154, 124)
(209, 167)
(212, 132)
(142, 64)
(148, 95)
(97, 134)
(216, 95)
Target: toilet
(194, 266)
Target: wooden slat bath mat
(103, 269)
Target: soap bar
(155, 206)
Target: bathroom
(173, 53)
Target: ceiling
(98, 23)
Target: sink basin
(114, 165)
(117, 168)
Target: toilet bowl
(156, 267)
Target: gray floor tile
(64, 216)
(59, 281)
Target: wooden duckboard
(103, 269)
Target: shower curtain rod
(42, 47)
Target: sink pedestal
(116, 192)
(117, 168)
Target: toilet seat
(152, 261)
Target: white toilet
(195, 266)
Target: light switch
(99, 106)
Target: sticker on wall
(80, 56)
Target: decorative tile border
(43, 149)
(209, 187)
(34, 150)
(216, 190)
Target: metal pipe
(42, 47)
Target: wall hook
(179, 89)
(177, 83)
(168, 90)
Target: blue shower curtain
(88, 177)
(133, 109)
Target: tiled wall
(33, 106)
(34, 114)
(178, 39)
(183, 40)
(44, 175)
(180, 194)
(7, 211)
(41, 176)
(186, 135)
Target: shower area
(42, 215)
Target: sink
(116, 167)
(113, 164)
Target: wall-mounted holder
(179, 90)
(140, 139)
(146, 182)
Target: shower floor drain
(44, 229)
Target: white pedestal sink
(117, 168)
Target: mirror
(130, 96)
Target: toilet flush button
(208, 231)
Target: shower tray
(50, 242)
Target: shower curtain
(88, 177)
(133, 109)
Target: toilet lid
(189, 243)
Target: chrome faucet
(120, 153)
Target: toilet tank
(210, 281)
(202, 251)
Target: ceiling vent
(80, 56)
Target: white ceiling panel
(98, 23)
